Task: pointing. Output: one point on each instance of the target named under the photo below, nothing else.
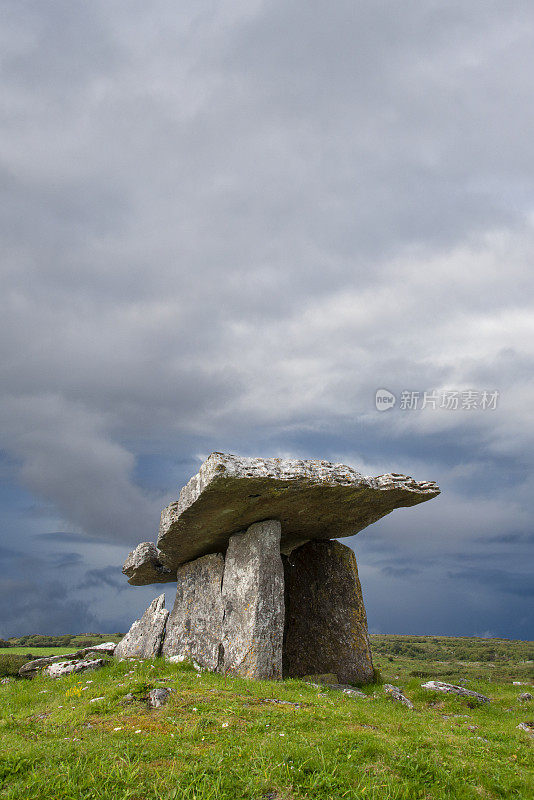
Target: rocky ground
(154, 730)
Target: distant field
(38, 652)
(222, 738)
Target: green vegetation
(69, 642)
(225, 739)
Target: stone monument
(263, 588)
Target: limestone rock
(345, 688)
(145, 637)
(158, 697)
(528, 727)
(194, 627)
(31, 669)
(450, 688)
(253, 596)
(311, 499)
(144, 565)
(106, 648)
(61, 668)
(397, 695)
(326, 624)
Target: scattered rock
(253, 597)
(524, 697)
(396, 694)
(340, 687)
(194, 627)
(280, 702)
(4, 681)
(158, 697)
(31, 669)
(106, 648)
(526, 726)
(326, 624)
(61, 668)
(144, 639)
(144, 565)
(450, 688)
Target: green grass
(37, 652)
(218, 738)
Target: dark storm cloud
(63, 537)
(223, 229)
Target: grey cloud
(507, 582)
(109, 577)
(64, 560)
(400, 572)
(36, 606)
(65, 537)
(226, 227)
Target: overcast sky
(224, 227)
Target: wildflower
(281, 734)
(139, 731)
(117, 729)
(225, 725)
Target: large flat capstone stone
(145, 637)
(253, 596)
(326, 623)
(194, 627)
(311, 500)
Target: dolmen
(264, 590)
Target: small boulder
(145, 565)
(145, 637)
(450, 688)
(31, 668)
(526, 726)
(158, 697)
(524, 697)
(106, 648)
(397, 695)
(61, 668)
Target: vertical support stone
(253, 596)
(326, 623)
(144, 638)
(194, 627)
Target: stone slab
(253, 596)
(61, 668)
(311, 499)
(144, 566)
(145, 637)
(451, 688)
(194, 627)
(326, 624)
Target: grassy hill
(223, 739)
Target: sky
(224, 227)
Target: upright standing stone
(253, 595)
(326, 624)
(144, 638)
(194, 627)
